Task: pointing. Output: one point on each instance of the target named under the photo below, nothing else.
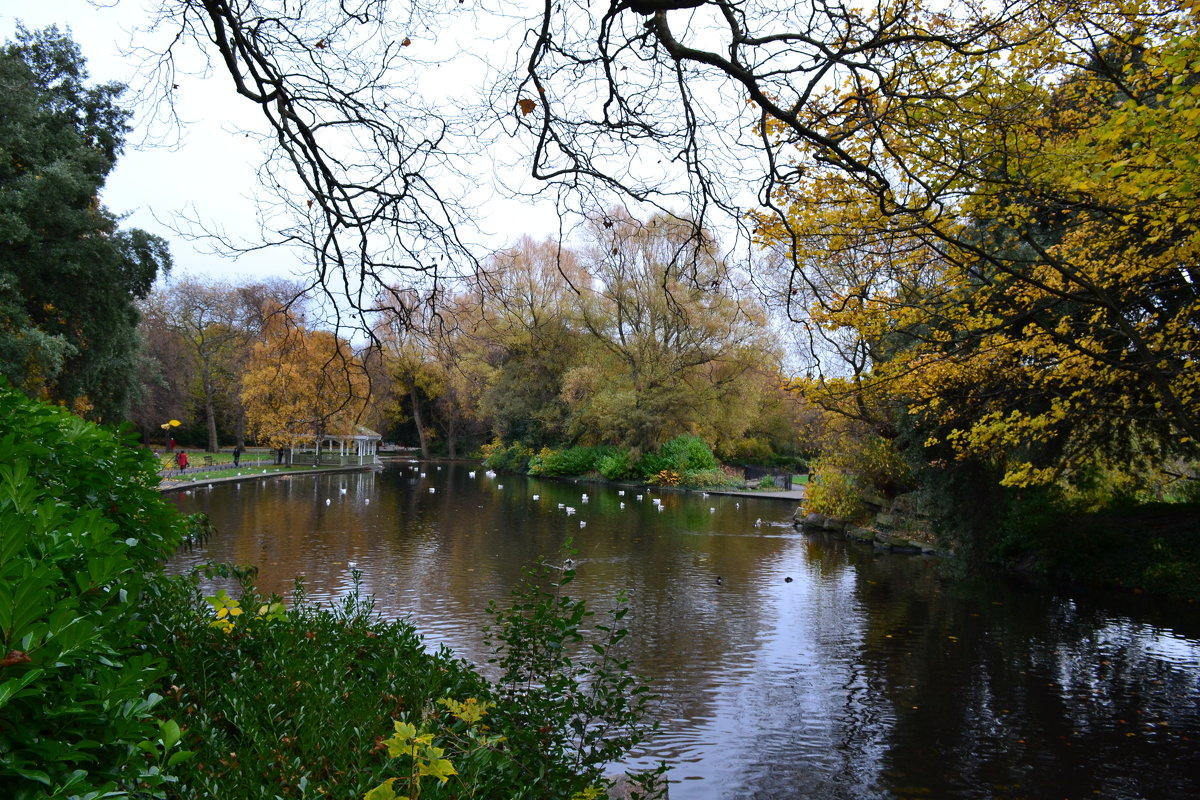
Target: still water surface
(865, 676)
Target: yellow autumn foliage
(301, 383)
(1008, 248)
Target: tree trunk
(416, 416)
(240, 434)
(210, 418)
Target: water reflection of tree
(869, 676)
(1015, 694)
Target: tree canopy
(301, 385)
(1025, 285)
(673, 340)
(69, 275)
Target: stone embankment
(626, 788)
(896, 526)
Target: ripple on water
(866, 676)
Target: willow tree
(672, 341)
(527, 339)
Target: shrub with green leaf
(336, 701)
(568, 702)
(693, 451)
(571, 461)
(615, 466)
(680, 455)
(316, 701)
(81, 527)
(291, 702)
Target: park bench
(208, 461)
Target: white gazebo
(361, 447)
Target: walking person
(237, 455)
(182, 460)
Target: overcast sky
(211, 171)
(210, 174)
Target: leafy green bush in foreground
(116, 681)
(298, 702)
(282, 702)
(81, 525)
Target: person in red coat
(182, 460)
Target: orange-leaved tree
(301, 385)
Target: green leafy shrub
(568, 703)
(650, 464)
(318, 701)
(680, 455)
(572, 461)
(81, 527)
(615, 466)
(291, 702)
(690, 452)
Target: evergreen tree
(69, 275)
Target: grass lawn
(202, 474)
(196, 457)
(223, 465)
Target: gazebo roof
(360, 432)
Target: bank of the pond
(791, 495)
(1150, 549)
(204, 477)
(207, 478)
(881, 538)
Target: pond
(789, 665)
